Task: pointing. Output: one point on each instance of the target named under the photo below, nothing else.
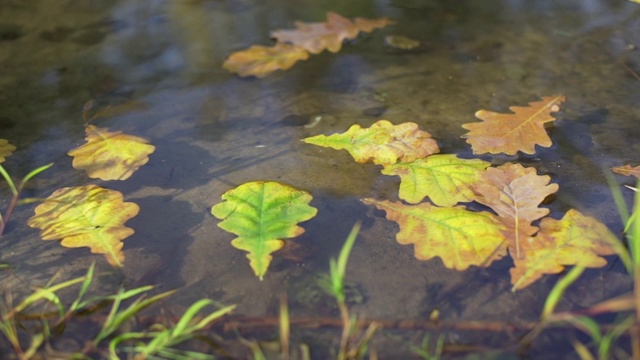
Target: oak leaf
(329, 35)
(514, 193)
(262, 213)
(460, 237)
(510, 133)
(110, 155)
(576, 239)
(445, 179)
(383, 142)
(6, 149)
(88, 216)
(627, 170)
(261, 61)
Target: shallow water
(214, 130)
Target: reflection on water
(214, 131)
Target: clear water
(214, 131)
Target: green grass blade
(9, 181)
(35, 172)
(46, 294)
(559, 289)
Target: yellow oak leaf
(515, 192)
(6, 149)
(461, 238)
(627, 170)
(445, 179)
(110, 155)
(383, 142)
(88, 216)
(576, 239)
(329, 35)
(262, 213)
(510, 133)
(261, 61)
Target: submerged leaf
(383, 142)
(318, 36)
(261, 61)
(510, 133)
(88, 216)
(576, 239)
(627, 170)
(460, 237)
(445, 179)
(110, 155)
(262, 213)
(515, 192)
(6, 149)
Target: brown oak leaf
(510, 133)
(627, 170)
(260, 61)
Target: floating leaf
(576, 239)
(110, 155)
(88, 216)
(627, 170)
(383, 142)
(118, 109)
(514, 192)
(401, 42)
(445, 179)
(6, 149)
(261, 61)
(262, 213)
(316, 37)
(510, 133)
(460, 237)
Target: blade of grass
(559, 289)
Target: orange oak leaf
(261, 61)
(576, 239)
(510, 133)
(460, 237)
(514, 192)
(383, 142)
(318, 36)
(627, 170)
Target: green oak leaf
(262, 213)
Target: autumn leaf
(383, 142)
(445, 179)
(118, 109)
(514, 193)
(576, 239)
(627, 170)
(261, 61)
(110, 155)
(510, 133)
(460, 237)
(88, 216)
(262, 213)
(6, 149)
(329, 35)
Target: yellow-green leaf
(110, 155)
(383, 142)
(262, 213)
(576, 239)
(445, 179)
(460, 237)
(5, 149)
(88, 216)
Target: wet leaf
(88, 216)
(6, 149)
(383, 142)
(460, 237)
(261, 61)
(510, 133)
(627, 170)
(119, 109)
(110, 155)
(515, 192)
(262, 213)
(445, 179)
(401, 42)
(576, 239)
(329, 35)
